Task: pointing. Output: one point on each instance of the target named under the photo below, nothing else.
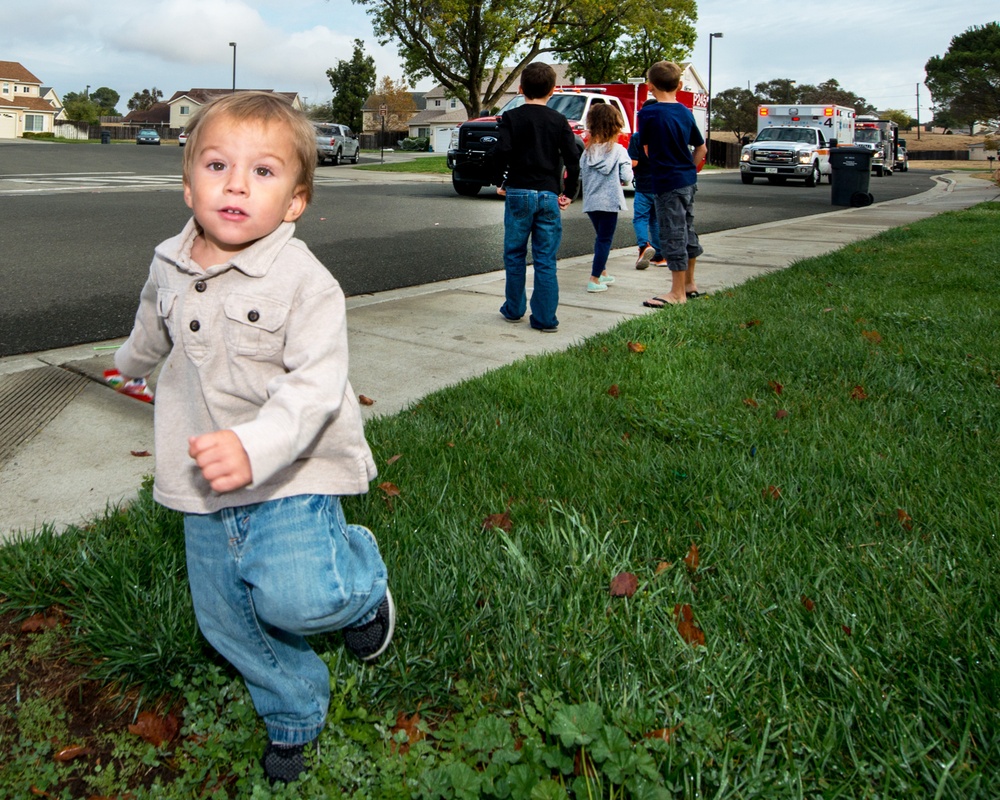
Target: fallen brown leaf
(904, 519)
(156, 730)
(39, 622)
(501, 521)
(776, 387)
(809, 604)
(663, 733)
(858, 393)
(71, 752)
(637, 347)
(872, 336)
(393, 459)
(365, 401)
(141, 453)
(662, 567)
(413, 733)
(389, 489)
(772, 493)
(686, 626)
(749, 401)
(691, 560)
(613, 391)
(780, 413)
(624, 584)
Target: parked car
(902, 159)
(336, 142)
(147, 136)
(182, 138)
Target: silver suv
(336, 142)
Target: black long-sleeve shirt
(534, 144)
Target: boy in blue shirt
(667, 133)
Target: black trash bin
(105, 137)
(851, 173)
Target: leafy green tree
(352, 82)
(735, 110)
(80, 107)
(106, 100)
(145, 100)
(901, 118)
(966, 79)
(476, 49)
(649, 31)
(779, 90)
(831, 92)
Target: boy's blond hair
(664, 76)
(265, 108)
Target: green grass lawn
(801, 476)
(434, 165)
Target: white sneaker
(596, 287)
(608, 279)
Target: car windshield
(786, 135)
(869, 135)
(569, 105)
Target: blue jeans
(644, 222)
(265, 576)
(604, 223)
(675, 213)
(535, 215)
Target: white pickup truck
(334, 143)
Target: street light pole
(708, 132)
(233, 45)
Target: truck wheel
(357, 155)
(815, 176)
(746, 178)
(336, 158)
(466, 188)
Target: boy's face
(243, 184)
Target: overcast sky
(877, 50)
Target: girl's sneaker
(608, 279)
(596, 287)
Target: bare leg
(689, 284)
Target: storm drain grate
(29, 401)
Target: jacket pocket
(255, 326)
(166, 300)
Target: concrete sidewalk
(70, 446)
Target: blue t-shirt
(669, 131)
(643, 178)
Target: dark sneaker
(645, 256)
(367, 642)
(284, 763)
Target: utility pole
(918, 111)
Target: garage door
(8, 126)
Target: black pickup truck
(475, 138)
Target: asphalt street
(81, 222)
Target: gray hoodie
(603, 169)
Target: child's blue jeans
(644, 223)
(265, 576)
(534, 215)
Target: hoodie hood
(602, 157)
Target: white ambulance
(793, 142)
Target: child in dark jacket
(534, 143)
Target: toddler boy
(258, 431)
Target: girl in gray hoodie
(604, 168)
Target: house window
(34, 122)
(185, 110)
(424, 132)
(6, 88)
(437, 103)
(454, 103)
